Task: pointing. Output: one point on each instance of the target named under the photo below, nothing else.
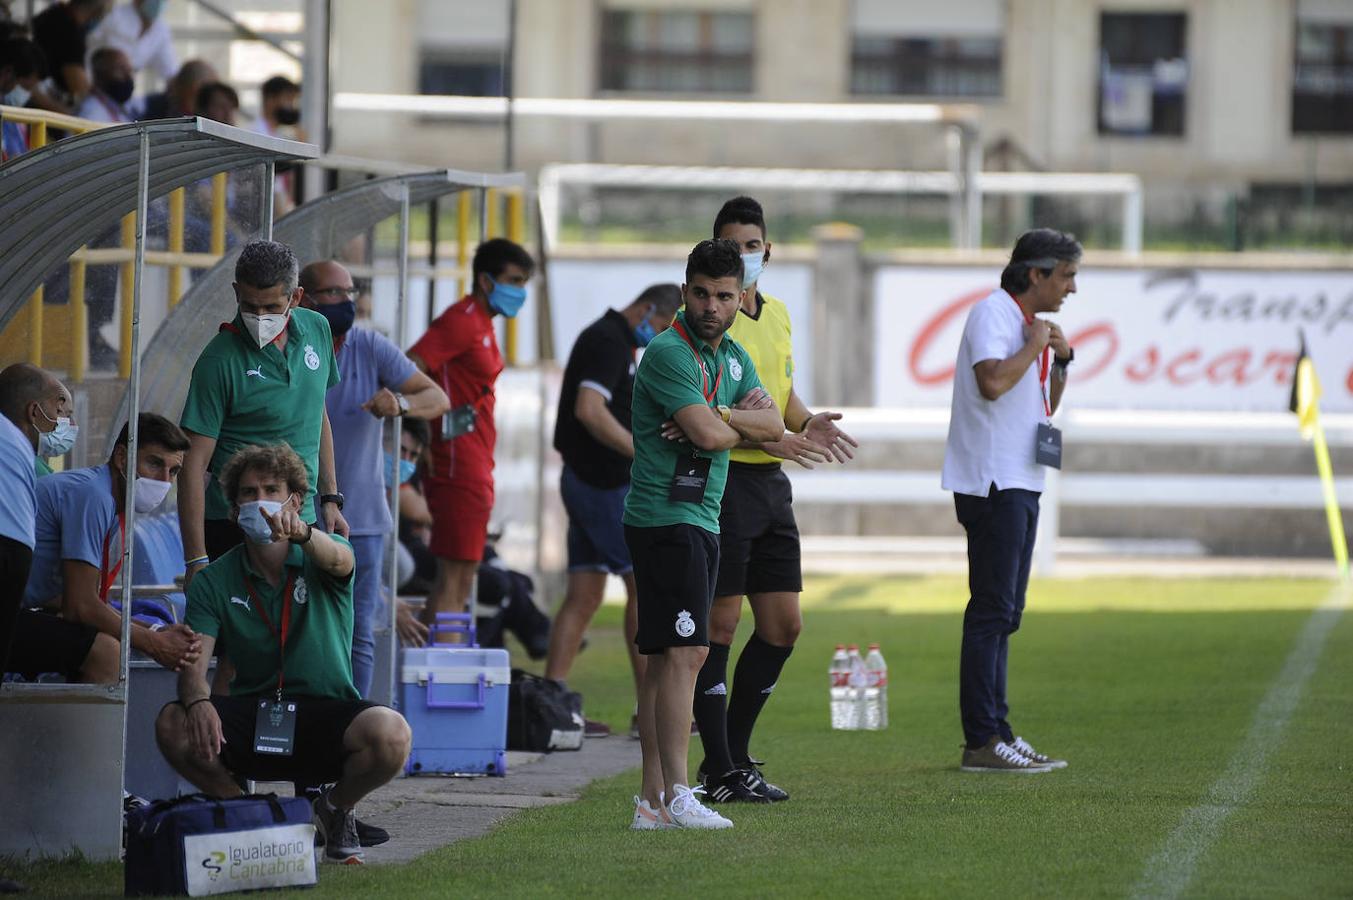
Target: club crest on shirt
(685, 625)
(311, 358)
(735, 369)
(301, 593)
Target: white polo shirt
(992, 441)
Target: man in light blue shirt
(376, 382)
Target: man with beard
(696, 396)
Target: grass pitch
(1147, 686)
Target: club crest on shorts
(735, 369)
(300, 593)
(685, 625)
(311, 358)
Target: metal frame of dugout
(63, 743)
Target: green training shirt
(319, 637)
(669, 378)
(241, 395)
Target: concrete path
(430, 811)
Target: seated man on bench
(281, 606)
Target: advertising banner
(1153, 339)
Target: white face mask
(252, 523)
(149, 494)
(60, 439)
(18, 97)
(264, 329)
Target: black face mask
(120, 91)
(288, 115)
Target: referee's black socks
(711, 710)
(758, 669)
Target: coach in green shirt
(696, 396)
(260, 381)
(282, 603)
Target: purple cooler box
(455, 700)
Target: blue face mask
(644, 331)
(753, 264)
(406, 470)
(507, 299)
(340, 316)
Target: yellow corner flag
(1305, 403)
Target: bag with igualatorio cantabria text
(197, 845)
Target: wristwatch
(725, 413)
(1063, 362)
(331, 498)
(403, 404)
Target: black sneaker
(758, 781)
(371, 835)
(338, 827)
(733, 786)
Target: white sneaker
(1025, 748)
(688, 812)
(646, 818)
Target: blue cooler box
(455, 700)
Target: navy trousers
(1001, 529)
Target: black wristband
(1065, 361)
(309, 532)
(189, 707)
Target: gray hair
(1042, 249)
(265, 264)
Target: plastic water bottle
(840, 687)
(875, 690)
(858, 679)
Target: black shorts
(758, 537)
(47, 643)
(674, 569)
(318, 754)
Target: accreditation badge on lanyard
(275, 719)
(690, 478)
(1047, 439)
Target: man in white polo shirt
(1011, 372)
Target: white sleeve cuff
(596, 387)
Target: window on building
(1143, 73)
(920, 48)
(462, 47)
(466, 73)
(678, 51)
(1322, 75)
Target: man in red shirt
(460, 352)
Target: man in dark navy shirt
(592, 433)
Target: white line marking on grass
(1171, 869)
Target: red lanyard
(286, 623)
(1043, 368)
(709, 394)
(110, 573)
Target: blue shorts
(596, 537)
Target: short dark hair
(496, 254)
(277, 459)
(665, 298)
(418, 428)
(20, 385)
(278, 84)
(740, 211)
(715, 259)
(1041, 249)
(153, 428)
(23, 56)
(265, 264)
(209, 90)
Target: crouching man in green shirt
(281, 605)
(696, 396)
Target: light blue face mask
(507, 299)
(644, 331)
(151, 9)
(406, 470)
(753, 264)
(252, 523)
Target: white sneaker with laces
(1025, 748)
(688, 812)
(646, 818)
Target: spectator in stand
(217, 101)
(77, 557)
(21, 69)
(462, 350)
(23, 390)
(376, 382)
(137, 29)
(592, 433)
(109, 99)
(60, 31)
(180, 97)
(279, 111)
(261, 380)
(290, 576)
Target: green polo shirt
(319, 637)
(241, 395)
(669, 378)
